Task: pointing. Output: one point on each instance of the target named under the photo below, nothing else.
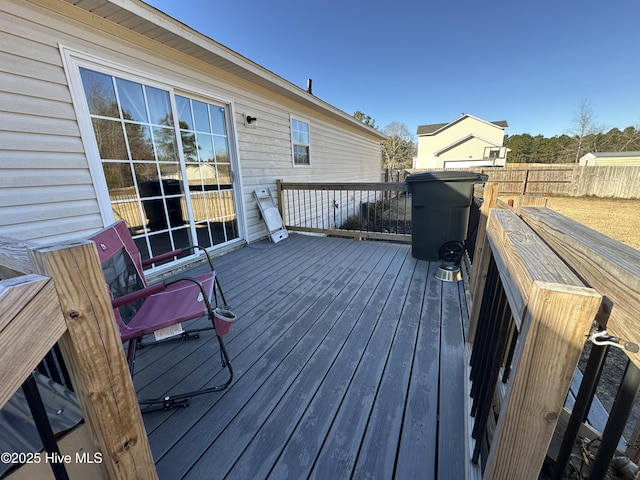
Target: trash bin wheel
(451, 252)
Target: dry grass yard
(616, 218)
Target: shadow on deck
(348, 359)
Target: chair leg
(170, 401)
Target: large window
(168, 175)
(300, 142)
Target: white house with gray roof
(467, 141)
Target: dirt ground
(616, 218)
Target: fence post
(93, 352)
(549, 346)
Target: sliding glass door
(166, 162)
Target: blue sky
(420, 62)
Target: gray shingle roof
(434, 127)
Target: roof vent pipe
(309, 86)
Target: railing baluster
(41, 420)
(580, 408)
(617, 421)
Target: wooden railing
(58, 294)
(360, 210)
(538, 284)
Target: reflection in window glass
(222, 149)
(144, 173)
(135, 132)
(189, 147)
(131, 101)
(205, 147)
(110, 139)
(217, 120)
(159, 106)
(118, 175)
(184, 113)
(300, 141)
(165, 142)
(201, 116)
(140, 144)
(100, 94)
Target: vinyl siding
(45, 180)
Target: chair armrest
(161, 257)
(175, 253)
(138, 295)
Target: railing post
(490, 198)
(280, 195)
(93, 352)
(551, 340)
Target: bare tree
(399, 149)
(583, 125)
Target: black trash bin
(154, 208)
(440, 203)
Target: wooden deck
(348, 360)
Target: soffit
(150, 22)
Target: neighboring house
(466, 142)
(113, 110)
(629, 159)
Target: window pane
(118, 175)
(100, 94)
(221, 149)
(110, 139)
(184, 113)
(147, 177)
(189, 146)
(200, 113)
(205, 147)
(217, 119)
(159, 106)
(171, 172)
(165, 141)
(140, 143)
(131, 100)
(301, 155)
(224, 175)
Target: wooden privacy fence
(575, 181)
(58, 294)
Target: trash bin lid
(447, 176)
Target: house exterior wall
(47, 189)
(456, 136)
(603, 160)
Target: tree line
(526, 148)
(584, 136)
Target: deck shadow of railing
(531, 314)
(56, 294)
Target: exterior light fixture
(250, 121)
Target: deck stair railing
(376, 210)
(56, 295)
(538, 289)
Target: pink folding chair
(141, 309)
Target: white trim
(72, 61)
(464, 140)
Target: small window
(300, 142)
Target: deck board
(336, 356)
